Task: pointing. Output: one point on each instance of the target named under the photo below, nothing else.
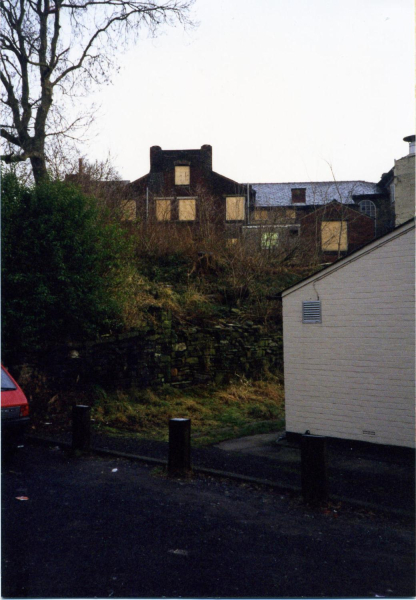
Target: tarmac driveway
(93, 527)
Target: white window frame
(368, 204)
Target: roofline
(230, 180)
(346, 205)
(139, 179)
(313, 182)
(341, 262)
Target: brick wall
(360, 228)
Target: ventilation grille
(311, 312)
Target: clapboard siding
(352, 376)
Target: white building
(349, 345)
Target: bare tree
(56, 49)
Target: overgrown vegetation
(71, 271)
(217, 413)
(199, 277)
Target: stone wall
(404, 189)
(167, 353)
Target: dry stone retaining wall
(169, 353)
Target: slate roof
(319, 192)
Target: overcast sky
(283, 90)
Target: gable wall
(360, 229)
(208, 187)
(355, 371)
(404, 183)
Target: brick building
(313, 212)
(182, 190)
(336, 229)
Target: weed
(242, 408)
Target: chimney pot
(411, 140)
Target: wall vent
(367, 432)
(311, 311)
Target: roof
(319, 192)
(341, 262)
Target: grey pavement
(368, 477)
(88, 526)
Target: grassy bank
(242, 408)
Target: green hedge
(61, 261)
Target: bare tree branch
(53, 50)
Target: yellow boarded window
(163, 210)
(334, 235)
(187, 209)
(129, 209)
(261, 215)
(182, 175)
(235, 208)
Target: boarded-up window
(182, 175)
(334, 235)
(187, 209)
(128, 209)
(261, 215)
(269, 240)
(290, 214)
(298, 195)
(235, 208)
(163, 210)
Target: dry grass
(242, 408)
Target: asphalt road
(93, 527)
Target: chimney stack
(155, 158)
(206, 152)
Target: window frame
(262, 212)
(372, 206)
(182, 169)
(339, 237)
(303, 200)
(168, 201)
(181, 200)
(269, 240)
(233, 211)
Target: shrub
(61, 266)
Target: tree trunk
(40, 172)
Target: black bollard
(314, 469)
(179, 463)
(81, 428)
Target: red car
(14, 408)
